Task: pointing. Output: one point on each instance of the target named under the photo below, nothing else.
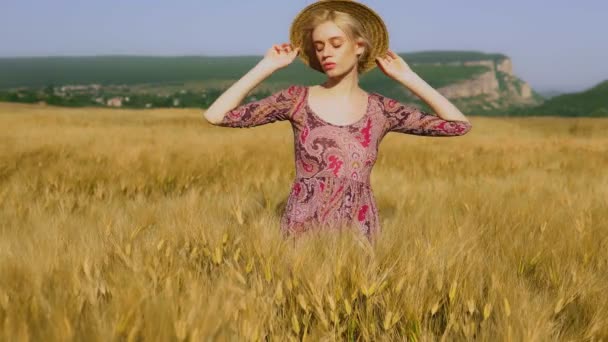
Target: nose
(327, 51)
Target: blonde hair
(347, 23)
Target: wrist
(408, 77)
(264, 67)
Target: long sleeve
(276, 107)
(410, 119)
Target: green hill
(477, 82)
(106, 70)
(592, 102)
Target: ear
(360, 47)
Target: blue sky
(554, 44)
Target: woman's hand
(393, 66)
(280, 56)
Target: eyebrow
(320, 41)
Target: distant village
(114, 101)
(114, 96)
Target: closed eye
(334, 46)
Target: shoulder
(285, 93)
(290, 93)
(294, 90)
(388, 104)
(391, 106)
(388, 101)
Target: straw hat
(370, 20)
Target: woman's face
(333, 46)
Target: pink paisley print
(362, 212)
(366, 134)
(304, 134)
(334, 162)
(297, 188)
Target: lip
(329, 65)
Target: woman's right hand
(280, 56)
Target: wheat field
(153, 225)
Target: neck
(345, 85)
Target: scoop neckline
(309, 109)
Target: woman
(337, 125)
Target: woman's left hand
(393, 65)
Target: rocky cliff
(496, 89)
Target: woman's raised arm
(226, 109)
(276, 107)
(409, 119)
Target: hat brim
(369, 19)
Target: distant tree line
(180, 99)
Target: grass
(154, 225)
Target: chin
(334, 71)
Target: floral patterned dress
(334, 162)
